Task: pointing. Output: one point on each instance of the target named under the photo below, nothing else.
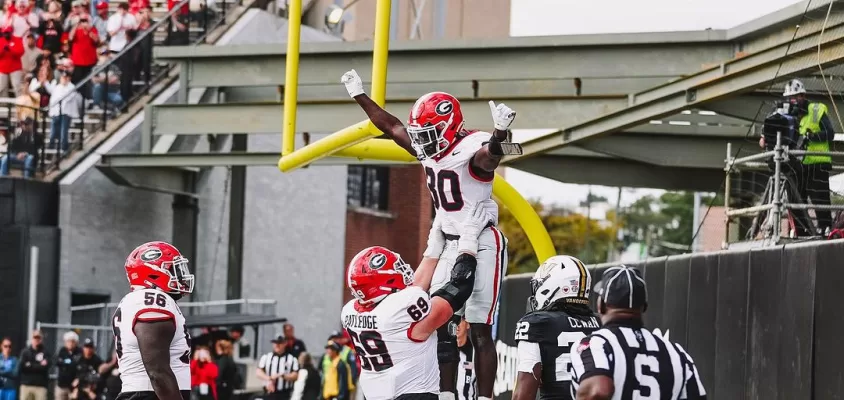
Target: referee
(279, 369)
(623, 360)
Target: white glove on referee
(476, 220)
(502, 116)
(436, 240)
(353, 83)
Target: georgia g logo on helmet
(444, 107)
(377, 261)
(151, 255)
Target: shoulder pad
(535, 327)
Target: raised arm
(489, 156)
(384, 121)
(156, 357)
(436, 243)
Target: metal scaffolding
(781, 198)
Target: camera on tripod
(782, 121)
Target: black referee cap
(622, 287)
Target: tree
(568, 233)
(667, 219)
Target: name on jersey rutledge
(592, 322)
(361, 321)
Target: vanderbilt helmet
(159, 265)
(560, 277)
(434, 123)
(376, 272)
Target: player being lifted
(151, 340)
(560, 318)
(460, 166)
(393, 323)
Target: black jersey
(641, 364)
(555, 332)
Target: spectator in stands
(308, 384)
(23, 150)
(28, 102)
(8, 371)
(53, 12)
(337, 377)
(63, 108)
(108, 91)
(177, 32)
(346, 353)
(83, 52)
(100, 21)
(51, 33)
(11, 52)
(110, 383)
(203, 375)
(76, 12)
(294, 345)
(130, 66)
(30, 53)
(43, 74)
(88, 362)
(34, 369)
(25, 20)
(228, 378)
(135, 6)
(242, 349)
(65, 359)
(118, 25)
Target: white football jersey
(454, 186)
(393, 364)
(149, 305)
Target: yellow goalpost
(356, 141)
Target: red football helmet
(376, 272)
(435, 120)
(159, 265)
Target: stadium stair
(94, 125)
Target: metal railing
(780, 197)
(136, 57)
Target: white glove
(353, 83)
(436, 240)
(476, 220)
(502, 116)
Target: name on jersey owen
(369, 322)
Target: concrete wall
(294, 231)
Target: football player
(393, 323)
(151, 340)
(460, 167)
(560, 318)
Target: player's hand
(502, 116)
(477, 218)
(353, 83)
(436, 240)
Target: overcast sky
(568, 17)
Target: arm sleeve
(591, 357)
(299, 385)
(295, 365)
(262, 363)
(529, 356)
(693, 387)
(826, 134)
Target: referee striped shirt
(642, 365)
(273, 364)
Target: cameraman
(817, 132)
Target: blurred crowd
(219, 368)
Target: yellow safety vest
(326, 365)
(331, 387)
(811, 123)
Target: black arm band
(462, 282)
